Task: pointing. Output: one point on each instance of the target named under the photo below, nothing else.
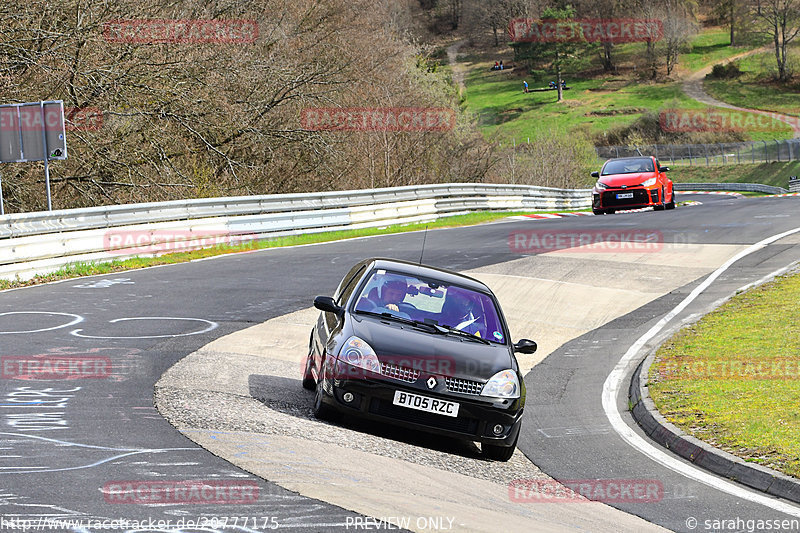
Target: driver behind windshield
(392, 293)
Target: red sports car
(631, 183)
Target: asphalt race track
(77, 448)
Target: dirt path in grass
(458, 68)
(693, 87)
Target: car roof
(416, 269)
(629, 158)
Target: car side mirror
(595, 174)
(525, 346)
(664, 169)
(328, 304)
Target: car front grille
(409, 375)
(463, 386)
(610, 199)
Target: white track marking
(613, 384)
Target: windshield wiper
(454, 331)
(416, 323)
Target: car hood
(432, 353)
(629, 180)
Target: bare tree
(196, 118)
(679, 26)
(780, 19)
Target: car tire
(599, 211)
(308, 378)
(321, 410)
(671, 204)
(499, 453)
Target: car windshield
(431, 302)
(628, 166)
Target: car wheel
(671, 204)
(321, 410)
(599, 211)
(308, 377)
(499, 453)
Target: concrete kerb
(698, 452)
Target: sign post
(33, 132)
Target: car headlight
(600, 185)
(357, 352)
(649, 183)
(504, 384)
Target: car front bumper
(373, 399)
(618, 198)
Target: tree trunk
(732, 15)
(608, 61)
(558, 83)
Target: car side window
(345, 280)
(349, 286)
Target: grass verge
(733, 378)
(79, 269)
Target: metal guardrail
(32, 243)
(737, 187)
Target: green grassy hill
(599, 103)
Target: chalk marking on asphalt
(211, 326)
(614, 381)
(31, 469)
(76, 319)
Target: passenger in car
(460, 311)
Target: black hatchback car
(419, 347)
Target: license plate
(623, 195)
(424, 403)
